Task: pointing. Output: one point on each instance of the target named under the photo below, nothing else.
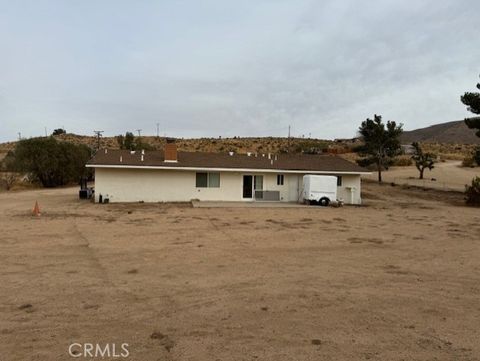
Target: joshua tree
(472, 101)
(381, 142)
(422, 160)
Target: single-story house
(171, 176)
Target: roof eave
(224, 169)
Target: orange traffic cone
(36, 210)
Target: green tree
(51, 162)
(472, 101)
(129, 141)
(121, 141)
(381, 143)
(422, 160)
(59, 131)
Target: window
(339, 181)
(202, 180)
(280, 179)
(213, 180)
(207, 180)
(258, 182)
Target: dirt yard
(396, 279)
(446, 175)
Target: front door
(247, 186)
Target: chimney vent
(171, 151)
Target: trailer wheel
(324, 202)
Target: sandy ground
(448, 175)
(396, 279)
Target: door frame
(251, 187)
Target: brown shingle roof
(300, 162)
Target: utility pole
(158, 130)
(98, 133)
(45, 132)
(139, 130)
(288, 142)
(19, 136)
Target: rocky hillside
(238, 145)
(455, 132)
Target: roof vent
(143, 151)
(132, 152)
(271, 161)
(269, 156)
(106, 150)
(141, 158)
(249, 154)
(121, 159)
(230, 153)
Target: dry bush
(8, 180)
(468, 162)
(402, 161)
(449, 151)
(472, 192)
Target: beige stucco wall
(153, 185)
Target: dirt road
(397, 279)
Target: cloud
(233, 68)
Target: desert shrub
(468, 162)
(402, 161)
(472, 159)
(8, 180)
(476, 155)
(310, 146)
(472, 192)
(50, 162)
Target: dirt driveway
(397, 279)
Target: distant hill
(455, 132)
(236, 144)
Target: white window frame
(280, 179)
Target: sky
(233, 68)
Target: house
(171, 176)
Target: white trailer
(319, 189)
